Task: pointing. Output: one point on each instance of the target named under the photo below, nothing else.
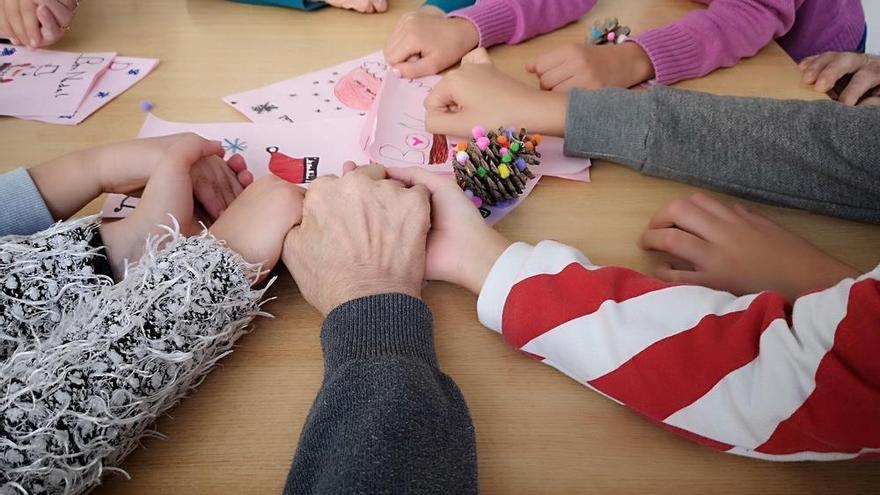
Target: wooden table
(537, 430)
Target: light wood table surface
(537, 430)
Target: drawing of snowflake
(264, 108)
(134, 72)
(236, 146)
(103, 94)
(7, 52)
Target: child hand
(256, 223)
(825, 70)
(462, 247)
(365, 6)
(576, 65)
(735, 250)
(426, 42)
(480, 94)
(35, 23)
(169, 192)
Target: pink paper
(122, 74)
(43, 82)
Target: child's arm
(426, 42)
(719, 36)
(818, 156)
(747, 375)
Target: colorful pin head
(478, 132)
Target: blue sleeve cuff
(293, 4)
(22, 209)
(450, 5)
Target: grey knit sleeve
(22, 209)
(44, 277)
(814, 155)
(386, 419)
(76, 404)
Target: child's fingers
(555, 76)
(49, 27)
(380, 5)
(442, 97)
(837, 68)
(667, 273)
(861, 83)
(62, 13)
(548, 61)
(245, 178)
(449, 123)
(211, 200)
(753, 217)
(422, 66)
(31, 24)
(676, 242)
(815, 66)
(400, 47)
(411, 176)
(5, 29)
(871, 101)
(477, 56)
(686, 215)
(713, 206)
(16, 26)
(237, 163)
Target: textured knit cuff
(23, 210)
(375, 326)
(495, 21)
(621, 135)
(676, 54)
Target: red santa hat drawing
(295, 170)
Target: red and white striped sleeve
(751, 375)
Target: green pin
(482, 171)
(515, 147)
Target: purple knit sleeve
(719, 36)
(514, 21)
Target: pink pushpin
(477, 201)
(611, 36)
(478, 132)
(482, 143)
(504, 151)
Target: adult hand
(360, 235)
(426, 42)
(365, 6)
(576, 65)
(479, 93)
(824, 71)
(277, 204)
(169, 193)
(462, 247)
(735, 250)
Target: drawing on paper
(294, 170)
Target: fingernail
(396, 72)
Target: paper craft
(297, 153)
(122, 74)
(344, 90)
(43, 82)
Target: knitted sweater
(88, 366)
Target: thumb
(477, 56)
(418, 66)
(450, 123)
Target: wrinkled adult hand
(426, 42)
(736, 250)
(824, 71)
(360, 235)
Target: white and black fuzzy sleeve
(78, 403)
(44, 276)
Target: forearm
(120, 360)
(69, 183)
(818, 156)
(719, 36)
(386, 418)
(514, 21)
(748, 375)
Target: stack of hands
(378, 230)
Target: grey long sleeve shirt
(386, 419)
(22, 209)
(819, 156)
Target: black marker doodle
(123, 206)
(264, 108)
